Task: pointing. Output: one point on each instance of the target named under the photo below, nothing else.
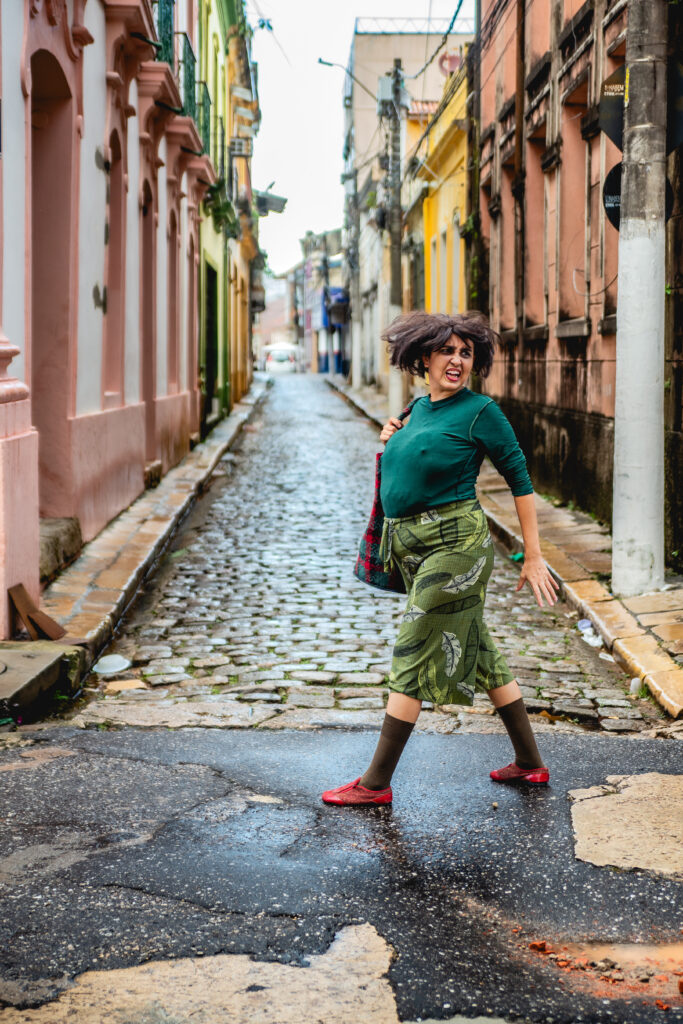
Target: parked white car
(282, 359)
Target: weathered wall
(569, 453)
(555, 372)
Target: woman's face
(449, 368)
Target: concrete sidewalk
(91, 596)
(644, 634)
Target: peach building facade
(550, 250)
(546, 251)
(101, 181)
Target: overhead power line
(444, 40)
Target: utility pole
(398, 385)
(518, 185)
(638, 517)
(354, 268)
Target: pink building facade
(100, 183)
(548, 251)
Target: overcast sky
(299, 145)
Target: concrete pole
(397, 382)
(638, 518)
(356, 302)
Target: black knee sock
(516, 721)
(392, 740)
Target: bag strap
(406, 411)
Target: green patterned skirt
(443, 652)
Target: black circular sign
(611, 196)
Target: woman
(437, 534)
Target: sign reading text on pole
(611, 196)
(611, 108)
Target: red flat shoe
(354, 795)
(513, 773)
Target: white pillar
(323, 351)
(638, 517)
(356, 352)
(398, 382)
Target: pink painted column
(19, 536)
(19, 533)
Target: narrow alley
(166, 858)
(257, 600)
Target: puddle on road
(660, 958)
(620, 970)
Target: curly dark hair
(414, 335)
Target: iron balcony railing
(204, 111)
(176, 50)
(186, 73)
(164, 17)
(218, 154)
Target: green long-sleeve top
(436, 455)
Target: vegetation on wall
(218, 204)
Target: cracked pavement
(164, 855)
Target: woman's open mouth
(453, 376)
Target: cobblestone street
(255, 618)
(165, 853)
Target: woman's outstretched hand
(536, 573)
(390, 428)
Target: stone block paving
(89, 597)
(644, 633)
(255, 620)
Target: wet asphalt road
(157, 845)
(127, 845)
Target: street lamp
(333, 64)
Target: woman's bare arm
(534, 571)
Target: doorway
(51, 307)
(147, 305)
(210, 344)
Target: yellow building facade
(245, 264)
(229, 115)
(442, 165)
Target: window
(114, 316)
(572, 173)
(433, 279)
(172, 298)
(455, 276)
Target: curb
(117, 562)
(636, 651)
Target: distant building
(376, 43)
(273, 324)
(325, 303)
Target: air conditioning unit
(239, 146)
